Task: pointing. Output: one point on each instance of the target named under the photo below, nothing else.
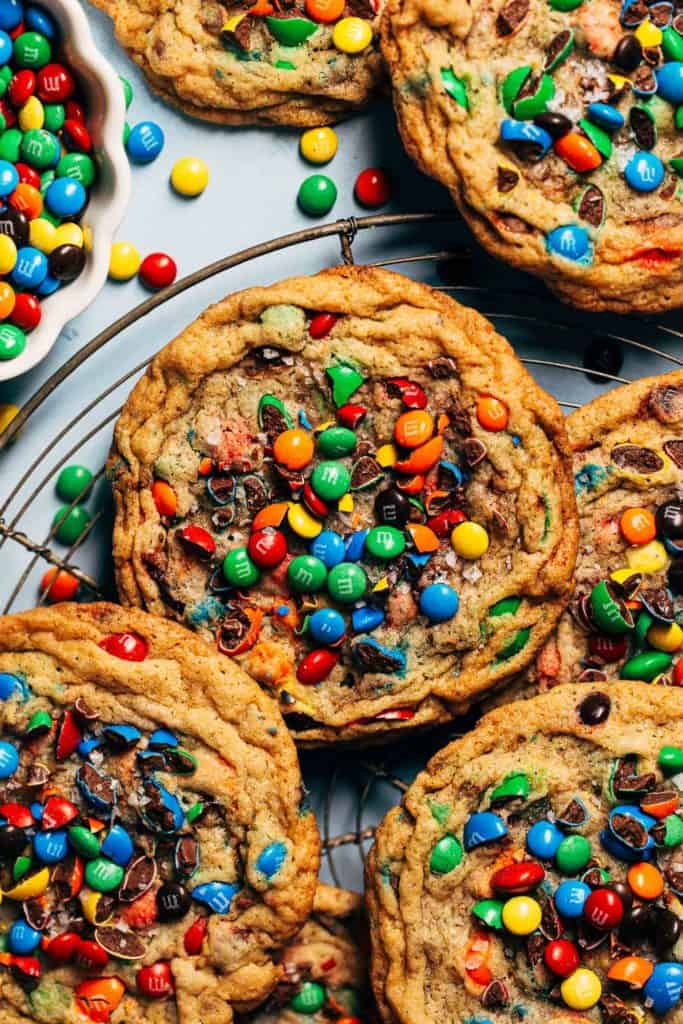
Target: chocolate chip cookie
(535, 868)
(349, 484)
(156, 849)
(280, 63)
(556, 128)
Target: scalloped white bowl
(106, 113)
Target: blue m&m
(326, 626)
(66, 197)
(30, 270)
(328, 546)
(50, 847)
(36, 19)
(11, 15)
(606, 116)
(664, 987)
(10, 686)
(543, 839)
(481, 828)
(670, 81)
(439, 602)
(271, 859)
(22, 939)
(145, 142)
(571, 242)
(644, 172)
(9, 178)
(570, 898)
(9, 759)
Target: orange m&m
(578, 151)
(631, 970)
(164, 498)
(97, 998)
(27, 200)
(645, 880)
(413, 428)
(325, 11)
(638, 525)
(423, 458)
(492, 414)
(293, 449)
(58, 585)
(7, 300)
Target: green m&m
(335, 442)
(330, 480)
(32, 50)
(70, 523)
(309, 999)
(385, 542)
(317, 195)
(10, 145)
(671, 760)
(347, 582)
(55, 116)
(12, 341)
(573, 854)
(345, 380)
(446, 855)
(73, 482)
(78, 166)
(103, 875)
(84, 842)
(490, 912)
(306, 574)
(646, 666)
(513, 786)
(40, 148)
(127, 91)
(239, 570)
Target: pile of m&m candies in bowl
(46, 171)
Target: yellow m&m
(318, 145)
(469, 540)
(124, 261)
(582, 989)
(522, 915)
(42, 235)
(352, 35)
(190, 176)
(648, 558)
(8, 254)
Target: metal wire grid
(362, 778)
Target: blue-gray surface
(251, 197)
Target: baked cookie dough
(325, 968)
(628, 467)
(295, 63)
(351, 485)
(156, 849)
(556, 128)
(535, 868)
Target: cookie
(299, 65)
(535, 869)
(325, 968)
(156, 850)
(555, 128)
(368, 507)
(628, 468)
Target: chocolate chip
(551, 925)
(186, 855)
(371, 658)
(643, 127)
(628, 53)
(120, 944)
(475, 451)
(495, 994)
(573, 814)
(507, 179)
(365, 472)
(232, 629)
(674, 449)
(511, 16)
(139, 877)
(556, 46)
(592, 206)
(595, 708)
(636, 458)
(556, 125)
(443, 368)
(666, 403)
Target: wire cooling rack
(70, 419)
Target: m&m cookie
(534, 870)
(349, 484)
(151, 811)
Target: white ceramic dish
(106, 112)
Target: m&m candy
(189, 176)
(158, 271)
